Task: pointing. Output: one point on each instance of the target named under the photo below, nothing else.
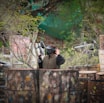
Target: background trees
(82, 20)
(13, 22)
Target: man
(53, 59)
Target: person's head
(50, 50)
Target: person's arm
(59, 59)
(40, 61)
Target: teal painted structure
(64, 21)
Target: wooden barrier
(22, 86)
(101, 59)
(101, 52)
(23, 96)
(100, 75)
(42, 86)
(101, 39)
(96, 91)
(84, 78)
(58, 86)
(83, 88)
(88, 74)
(50, 86)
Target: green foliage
(1, 25)
(24, 24)
(79, 59)
(14, 21)
(1, 44)
(98, 6)
(91, 27)
(64, 21)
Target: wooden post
(101, 52)
(101, 39)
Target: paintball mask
(50, 50)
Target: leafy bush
(80, 59)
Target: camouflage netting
(63, 21)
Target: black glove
(40, 62)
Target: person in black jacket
(53, 59)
